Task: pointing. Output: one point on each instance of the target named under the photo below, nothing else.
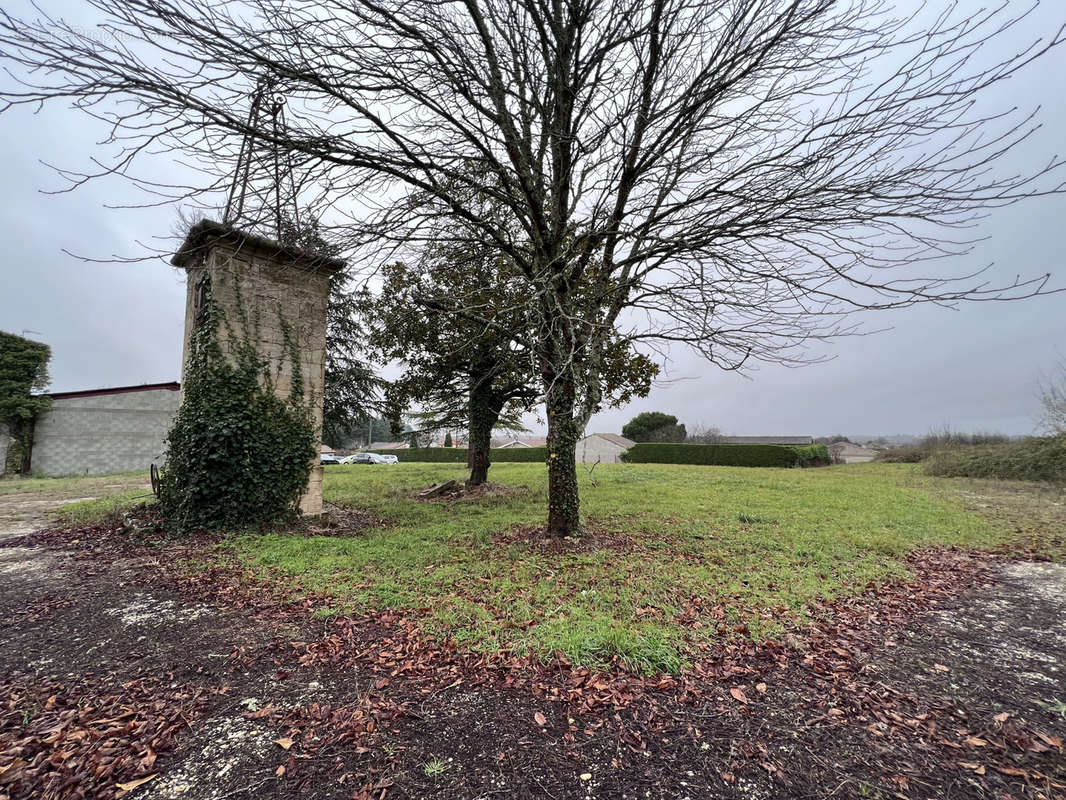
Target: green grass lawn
(693, 552)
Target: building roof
(849, 449)
(766, 440)
(534, 442)
(614, 438)
(388, 446)
(206, 233)
(172, 386)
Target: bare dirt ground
(121, 676)
(26, 510)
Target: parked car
(329, 459)
(357, 458)
(370, 458)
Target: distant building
(388, 446)
(513, 442)
(605, 448)
(99, 431)
(792, 440)
(851, 453)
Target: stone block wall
(257, 283)
(88, 433)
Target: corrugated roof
(172, 386)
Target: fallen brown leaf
(284, 743)
(539, 719)
(1054, 741)
(1017, 773)
(738, 695)
(129, 787)
(263, 712)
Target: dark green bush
(237, 453)
(1035, 459)
(457, 455)
(728, 455)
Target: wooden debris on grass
(438, 489)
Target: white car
(370, 458)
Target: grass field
(679, 554)
(687, 552)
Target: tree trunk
(26, 431)
(564, 518)
(482, 420)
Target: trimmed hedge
(728, 455)
(457, 455)
(1035, 459)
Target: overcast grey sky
(977, 367)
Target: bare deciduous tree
(705, 434)
(1053, 401)
(735, 175)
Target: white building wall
(593, 448)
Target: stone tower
(272, 282)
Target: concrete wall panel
(103, 433)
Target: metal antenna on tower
(264, 167)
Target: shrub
(1035, 459)
(936, 441)
(457, 455)
(237, 453)
(906, 454)
(728, 455)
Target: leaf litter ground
(122, 676)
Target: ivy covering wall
(238, 453)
